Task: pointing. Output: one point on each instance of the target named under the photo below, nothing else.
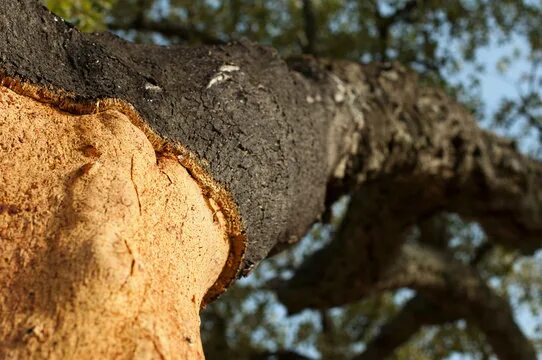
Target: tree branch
(267, 141)
(384, 23)
(415, 314)
(309, 21)
(406, 152)
(460, 291)
(449, 285)
(404, 12)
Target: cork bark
(107, 249)
(265, 144)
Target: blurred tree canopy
(442, 40)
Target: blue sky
(494, 86)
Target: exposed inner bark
(268, 141)
(237, 111)
(278, 138)
(107, 248)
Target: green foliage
(87, 15)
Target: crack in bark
(132, 264)
(134, 184)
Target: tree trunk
(107, 249)
(140, 181)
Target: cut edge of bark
(215, 193)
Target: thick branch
(267, 141)
(414, 138)
(459, 292)
(458, 289)
(449, 290)
(309, 21)
(407, 152)
(455, 289)
(415, 314)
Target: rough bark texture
(273, 136)
(235, 108)
(107, 250)
(273, 143)
(418, 153)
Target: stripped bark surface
(275, 142)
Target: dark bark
(422, 153)
(309, 20)
(237, 109)
(460, 292)
(271, 141)
(415, 314)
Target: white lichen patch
(218, 78)
(152, 87)
(223, 74)
(340, 170)
(340, 91)
(313, 99)
(228, 68)
(390, 75)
